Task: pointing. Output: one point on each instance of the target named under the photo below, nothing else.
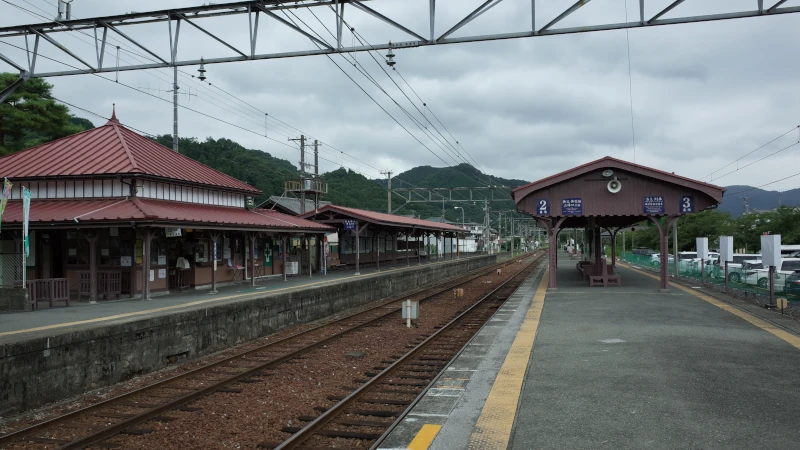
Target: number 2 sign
(687, 204)
(543, 207)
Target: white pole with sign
(702, 253)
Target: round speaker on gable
(614, 186)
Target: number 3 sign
(687, 204)
(543, 207)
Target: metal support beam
(433, 18)
(12, 63)
(100, 46)
(771, 10)
(380, 16)
(533, 16)
(292, 26)
(566, 13)
(61, 47)
(173, 40)
(253, 31)
(5, 93)
(272, 8)
(487, 5)
(211, 35)
(666, 10)
(132, 41)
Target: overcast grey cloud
(703, 94)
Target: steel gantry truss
(253, 10)
(463, 194)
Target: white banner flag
(26, 216)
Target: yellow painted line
(791, 338)
(449, 387)
(493, 430)
(195, 303)
(425, 436)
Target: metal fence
(11, 270)
(745, 281)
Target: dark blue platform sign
(572, 206)
(543, 207)
(687, 204)
(654, 204)
(349, 224)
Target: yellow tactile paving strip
(791, 338)
(424, 438)
(493, 429)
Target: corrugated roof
(140, 209)
(293, 204)
(112, 149)
(383, 218)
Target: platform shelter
(611, 194)
(114, 213)
(371, 237)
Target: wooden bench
(606, 278)
(585, 268)
(48, 290)
(109, 283)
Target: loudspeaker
(614, 186)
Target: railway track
(361, 417)
(92, 425)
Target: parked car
(734, 267)
(792, 286)
(694, 263)
(644, 251)
(760, 277)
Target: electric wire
(711, 175)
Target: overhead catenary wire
(711, 175)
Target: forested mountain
(759, 199)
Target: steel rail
(297, 439)
(438, 288)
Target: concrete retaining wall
(43, 370)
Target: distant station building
(611, 194)
(373, 238)
(113, 213)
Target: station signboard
(572, 206)
(687, 204)
(543, 207)
(653, 204)
(349, 224)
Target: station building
(114, 214)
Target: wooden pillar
(253, 237)
(458, 247)
(214, 250)
(310, 260)
(419, 250)
(283, 254)
(147, 239)
(613, 247)
(359, 229)
(378, 251)
(662, 233)
(598, 246)
(408, 249)
(91, 236)
(553, 226)
(394, 246)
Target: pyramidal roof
(112, 149)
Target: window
(790, 265)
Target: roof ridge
(125, 146)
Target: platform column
(419, 249)
(458, 248)
(214, 249)
(147, 239)
(283, 255)
(394, 247)
(253, 237)
(378, 251)
(598, 246)
(310, 259)
(358, 246)
(613, 247)
(91, 236)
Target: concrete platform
(49, 355)
(616, 368)
(22, 325)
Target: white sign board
(125, 261)
(726, 248)
(162, 273)
(702, 248)
(172, 232)
(771, 250)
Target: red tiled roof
(383, 218)
(136, 209)
(112, 149)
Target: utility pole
(303, 174)
(316, 173)
(388, 174)
(175, 110)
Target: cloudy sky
(703, 94)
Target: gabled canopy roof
(377, 218)
(75, 212)
(713, 191)
(291, 205)
(112, 149)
